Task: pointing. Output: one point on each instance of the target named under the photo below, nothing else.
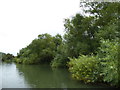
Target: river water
(37, 76)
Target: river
(38, 76)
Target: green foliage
(109, 61)
(60, 59)
(79, 37)
(84, 68)
(110, 31)
(17, 60)
(40, 50)
(104, 67)
(6, 57)
(105, 30)
(57, 40)
(97, 33)
(103, 12)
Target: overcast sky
(21, 21)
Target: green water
(38, 76)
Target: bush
(108, 53)
(84, 68)
(59, 61)
(61, 58)
(17, 60)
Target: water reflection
(38, 76)
(11, 77)
(42, 76)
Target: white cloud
(22, 20)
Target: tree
(6, 57)
(79, 35)
(40, 50)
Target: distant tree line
(6, 57)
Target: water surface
(38, 76)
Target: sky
(21, 21)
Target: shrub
(108, 53)
(61, 57)
(17, 60)
(84, 68)
(59, 61)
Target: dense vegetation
(103, 64)
(41, 50)
(89, 48)
(6, 57)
